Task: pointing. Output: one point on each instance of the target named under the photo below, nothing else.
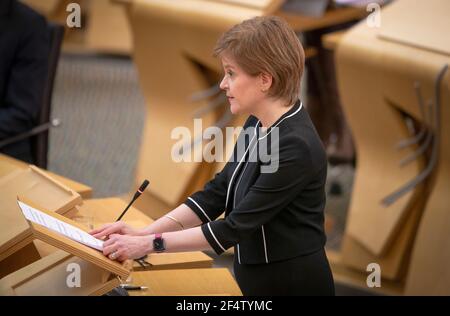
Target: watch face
(158, 244)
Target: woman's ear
(265, 81)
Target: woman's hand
(123, 247)
(114, 228)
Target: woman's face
(243, 91)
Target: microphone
(135, 197)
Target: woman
(274, 216)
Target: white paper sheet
(59, 226)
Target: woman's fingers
(104, 233)
(117, 255)
(108, 249)
(100, 229)
(107, 230)
(111, 240)
(121, 256)
(113, 248)
(123, 247)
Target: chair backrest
(39, 143)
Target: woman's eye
(230, 73)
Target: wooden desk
(107, 210)
(8, 165)
(217, 281)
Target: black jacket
(24, 49)
(269, 216)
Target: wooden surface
(107, 210)
(47, 277)
(430, 260)
(217, 281)
(108, 30)
(8, 164)
(396, 260)
(420, 26)
(19, 259)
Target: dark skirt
(304, 275)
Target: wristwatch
(158, 243)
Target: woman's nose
(223, 84)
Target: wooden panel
(39, 188)
(186, 282)
(418, 23)
(108, 30)
(8, 165)
(430, 261)
(48, 276)
(395, 261)
(19, 259)
(83, 190)
(43, 248)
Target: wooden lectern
(51, 275)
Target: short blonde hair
(267, 45)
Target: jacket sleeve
(209, 203)
(266, 198)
